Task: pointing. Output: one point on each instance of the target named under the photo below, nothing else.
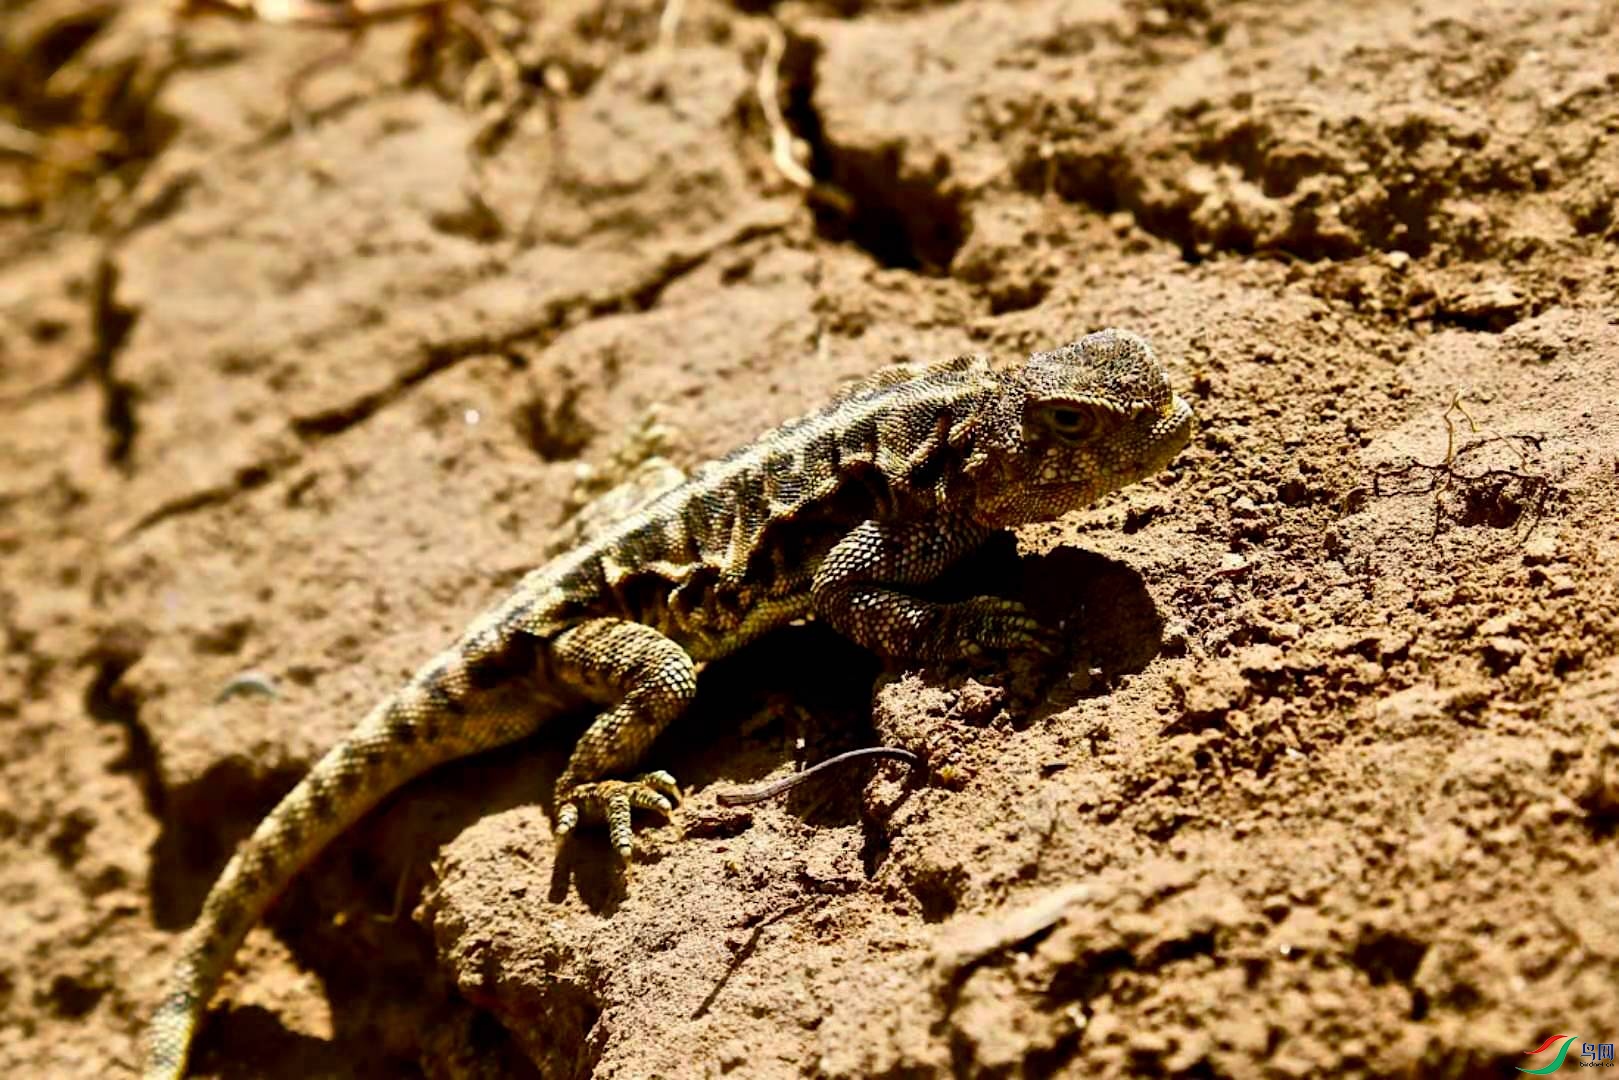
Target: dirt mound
(1326, 780)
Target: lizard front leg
(647, 680)
(851, 591)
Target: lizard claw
(613, 801)
(991, 622)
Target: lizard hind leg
(647, 680)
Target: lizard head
(1074, 424)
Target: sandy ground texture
(1325, 783)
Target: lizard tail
(431, 720)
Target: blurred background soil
(307, 352)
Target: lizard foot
(612, 801)
(990, 622)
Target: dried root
(1502, 497)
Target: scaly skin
(899, 476)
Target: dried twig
(22, 142)
(748, 796)
(669, 22)
(1455, 406)
(786, 150)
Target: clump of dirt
(1324, 780)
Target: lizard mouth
(1170, 434)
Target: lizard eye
(1074, 423)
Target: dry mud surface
(1325, 783)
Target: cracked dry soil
(1326, 783)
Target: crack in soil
(437, 357)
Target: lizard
(828, 516)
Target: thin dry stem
(785, 149)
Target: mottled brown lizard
(828, 515)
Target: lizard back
(730, 553)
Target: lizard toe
(662, 783)
(613, 802)
(992, 622)
(620, 830)
(567, 819)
